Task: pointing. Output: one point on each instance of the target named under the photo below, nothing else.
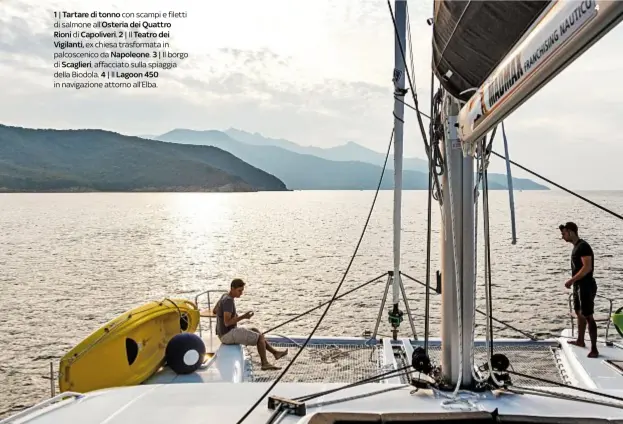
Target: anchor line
(335, 294)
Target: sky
(316, 72)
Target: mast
(457, 252)
(399, 93)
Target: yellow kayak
(128, 349)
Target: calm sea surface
(71, 262)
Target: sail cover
(470, 38)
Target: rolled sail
(470, 39)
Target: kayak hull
(128, 349)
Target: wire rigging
(352, 259)
(307, 312)
(428, 239)
(436, 168)
(475, 376)
(597, 205)
(487, 261)
(427, 148)
(547, 180)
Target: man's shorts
(240, 336)
(584, 297)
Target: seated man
(229, 333)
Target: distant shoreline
(81, 191)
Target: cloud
(315, 72)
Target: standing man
(229, 333)
(584, 286)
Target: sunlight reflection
(201, 222)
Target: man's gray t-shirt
(226, 305)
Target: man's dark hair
(236, 283)
(569, 226)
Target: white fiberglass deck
(166, 398)
(593, 373)
(226, 403)
(346, 360)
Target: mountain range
(95, 160)
(188, 160)
(346, 167)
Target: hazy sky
(317, 72)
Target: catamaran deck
(231, 377)
(346, 360)
(165, 398)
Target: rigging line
(352, 259)
(429, 223)
(556, 383)
(411, 84)
(560, 187)
(412, 108)
(452, 34)
(355, 397)
(427, 147)
(487, 240)
(324, 303)
(409, 35)
(428, 246)
(487, 273)
(474, 290)
(537, 392)
(522, 332)
(373, 379)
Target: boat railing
(41, 405)
(607, 320)
(207, 312)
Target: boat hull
(128, 349)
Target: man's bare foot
(593, 354)
(269, 367)
(280, 354)
(576, 343)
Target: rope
(488, 297)
(547, 180)
(428, 247)
(373, 379)
(452, 34)
(505, 324)
(473, 336)
(545, 393)
(436, 136)
(324, 303)
(616, 215)
(411, 84)
(412, 87)
(352, 259)
(355, 397)
(556, 383)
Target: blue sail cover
(470, 38)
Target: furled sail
(470, 38)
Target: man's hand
(569, 283)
